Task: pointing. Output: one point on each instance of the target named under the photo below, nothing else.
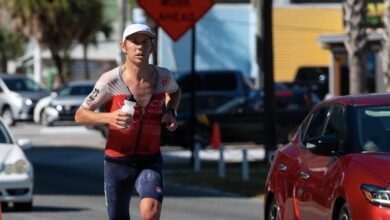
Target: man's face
(138, 47)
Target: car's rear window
(311, 74)
(76, 90)
(19, 85)
(209, 82)
(203, 103)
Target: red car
(338, 164)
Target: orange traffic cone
(215, 141)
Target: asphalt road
(68, 165)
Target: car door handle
(304, 175)
(282, 167)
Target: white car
(16, 171)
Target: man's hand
(120, 119)
(169, 120)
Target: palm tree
(355, 13)
(56, 25)
(386, 47)
(89, 28)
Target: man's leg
(118, 189)
(149, 185)
(150, 209)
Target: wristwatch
(173, 111)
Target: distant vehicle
(241, 118)
(316, 78)
(206, 103)
(227, 82)
(337, 165)
(16, 171)
(18, 96)
(246, 120)
(294, 96)
(227, 97)
(61, 106)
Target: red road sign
(176, 16)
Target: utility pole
(121, 26)
(266, 71)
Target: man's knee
(150, 215)
(150, 209)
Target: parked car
(236, 107)
(18, 96)
(294, 96)
(316, 78)
(337, 165)
(61, 106)
(234, 82)
(206, 103)
(240, 118)
(16, 171)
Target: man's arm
(117, 118)
(173, 100)
(87, 117)
(172, 103)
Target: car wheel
(23, 206)
(344, 213)
(273, 210)
(45, 119)
(7, 117)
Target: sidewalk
(231, 154)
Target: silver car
(18, 96)
(61, 106)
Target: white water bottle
(129, 104)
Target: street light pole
(266, 71)
(121, 26)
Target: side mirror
(322, 145)
(24, 143)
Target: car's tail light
(376, 195)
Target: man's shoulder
(109, 76)
(162, 70)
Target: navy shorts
(122, 175)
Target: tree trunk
(58, 63)
(4, 67)
(121, 25)
(355, 13)
(85, 61)
(386, 47)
